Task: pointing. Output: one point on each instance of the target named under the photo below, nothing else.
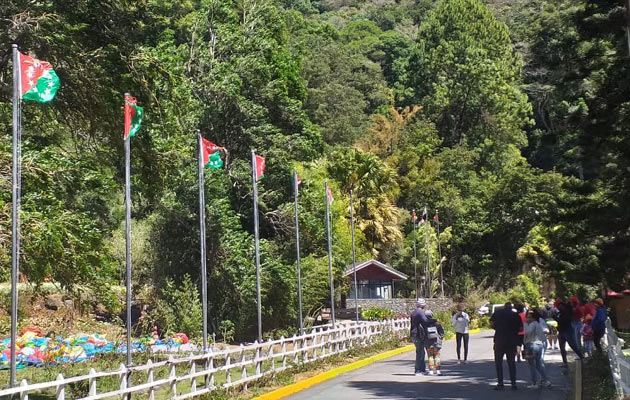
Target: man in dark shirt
(419, 323)
(565, 330)
(506, 324)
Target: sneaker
(438, 372)
(532, 386)
(546, 384)
(459, 362)
(431, 372)
(498, 387)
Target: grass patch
(597, 381)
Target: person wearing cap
(506, 324)
(599, 324)
(419, 322)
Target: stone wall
(404, 306)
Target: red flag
(414, 217)
(435, 217)
(330, 196)
(260, 167)
(133, 116)
(299, 181)
(207, 148)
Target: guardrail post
(150, 379)
(243, 368)
(283, 344)
(210, 367)
(61, 388)
(172, 374)
(270, 356)
(228, 371)
(193, 380)
(296, 350)
(92, 382)
(122, 378)
(24, 394)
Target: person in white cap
(419, 323)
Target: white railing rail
(224, 369)
(619, 364)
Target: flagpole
(437, 222)
(127, 141)
(202, 240)
(255, 196)
(354, 259)
(15, 255)
(297, 251)
(330, 272)
(428, 274)
(415, 258)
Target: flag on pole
(260, 167)
(299, 181)
(133, 116)
(414, 217)
(38, 80)
(423, 218)
(435, 217)
(330, 196)
(211, 154)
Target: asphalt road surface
(393, 378)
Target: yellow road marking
(306, 383)
(299, 386)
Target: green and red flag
(260, 167)
(38, 80)
(133, 116)
(211, 154)
(330, 196)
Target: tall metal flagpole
(330, 272)
(128, 234)
(255, 196)
(202, 240)
(428, 274)
(415, 258)
(297, 252)
(437, 223)
(15, 255)
(354, 259)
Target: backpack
(432, 333)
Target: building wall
(621, 308)
(403, 306)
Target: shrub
(377, 314)
(444, 318)
(227, 329)
(178, 309)
(525, 291)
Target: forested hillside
(509, 117)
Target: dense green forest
(511, 117)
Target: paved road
(393, 378)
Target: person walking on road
(419, 323)
(520, 310)
(549, 313)
(506, 324)
(534, 340)
(599, 324)
(461, 321)
(433, 341)
(565, 331)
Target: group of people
(520, 334)
(427, 334)
(523, 333)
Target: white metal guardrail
(198, 374)
(619, 364)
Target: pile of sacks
(33, 349)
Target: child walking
(587, 335)
(435, 333)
